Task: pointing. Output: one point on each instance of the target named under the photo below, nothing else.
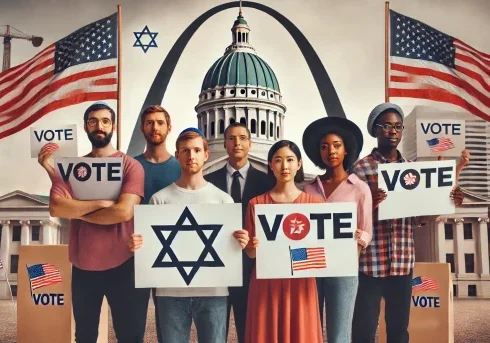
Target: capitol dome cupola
(241, 87)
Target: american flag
(1, 265)
(80, 67)
(422, 283)
(428, 64)
(308, 258)
(440, 144)
(42, 275)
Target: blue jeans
(339, 295)
(176, 315)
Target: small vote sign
(416, 189)
(92, 178)
(306, 240)
(440, 137)
(64, 136)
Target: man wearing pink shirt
(99, 231)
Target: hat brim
(317, 129)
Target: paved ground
(471, 323)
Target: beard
(100, 142)
(155, 141)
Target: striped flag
(428, 64)
(308, 258)
(422, 283)
(1, 265)
(440, 144)
(80, 67)
(42, 275)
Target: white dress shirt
(229, 177)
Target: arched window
(232, 120)
(221, 126)
(243, 120)
(253, 126)
(205, 130)
(212, 128)
(277, 133)
(262, 128)
(271, 130)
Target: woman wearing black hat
(333, 144)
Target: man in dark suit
(243, 182)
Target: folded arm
(68, 208)
(120, 212)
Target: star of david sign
(167, 249)
(145, 32)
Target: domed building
(240, 87)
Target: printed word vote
(49, 135)
(447, 129)
(442, 176)
(422, 301)
(83, 171)
(49, 299)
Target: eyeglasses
(92, 122)
(241, 138)
(388, 127)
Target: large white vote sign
(92, 178)
(416, 188)
(306, 240)
(188, 245)
(440, 137)
(64, 136)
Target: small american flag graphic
(1, 265)
(308, 258)
(422, 283)
(42, 275)
(440, 144)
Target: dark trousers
(157, 318)
(129, 305)
(397, 292)
(237, 299)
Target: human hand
(457, 196)
(465, 158)
(135, 242)
(378, 196)
(45, 156)
(242, 237)
(255, 242)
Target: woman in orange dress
(281, 310)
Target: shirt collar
(243, 170)
(380, 158)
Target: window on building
(455, 290)
(271, 130)
(277, 136)
(212, 128)
(14, 264)
(243, 121)
(221, 126)
(35, 232)
(14, 290)
(472, 290)
(206, 130)
(16, 233)
(469, 262)
(450, 260)
(468, 230)
(262, 127)
(232, 120)
(1, 228)
(253, 126)
(448, 231)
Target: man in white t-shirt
(177, 307)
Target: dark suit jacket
(256, 183)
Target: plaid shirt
(391, 251)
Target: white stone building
(25, 220)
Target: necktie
(236, 192)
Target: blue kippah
(192, 129)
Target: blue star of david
(167, 249)
(146, 31)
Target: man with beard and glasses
(99, 231)
(161, 168)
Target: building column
(440, 240)
(459, 245)
(483, 246)
(47, 232)
(25, 238)
(5, 245)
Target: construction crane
(7, 37)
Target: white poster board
(64, 136)
(92, 178)
(306, 240)
(416, 189)
(188, 245)
(440, 137)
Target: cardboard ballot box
(431, 312)
(44, 308)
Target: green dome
(240, 68)
(240, 20)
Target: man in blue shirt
(161, 167)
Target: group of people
(102, 240)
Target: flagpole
(387, 32)
(291, 259)
(119, 72)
